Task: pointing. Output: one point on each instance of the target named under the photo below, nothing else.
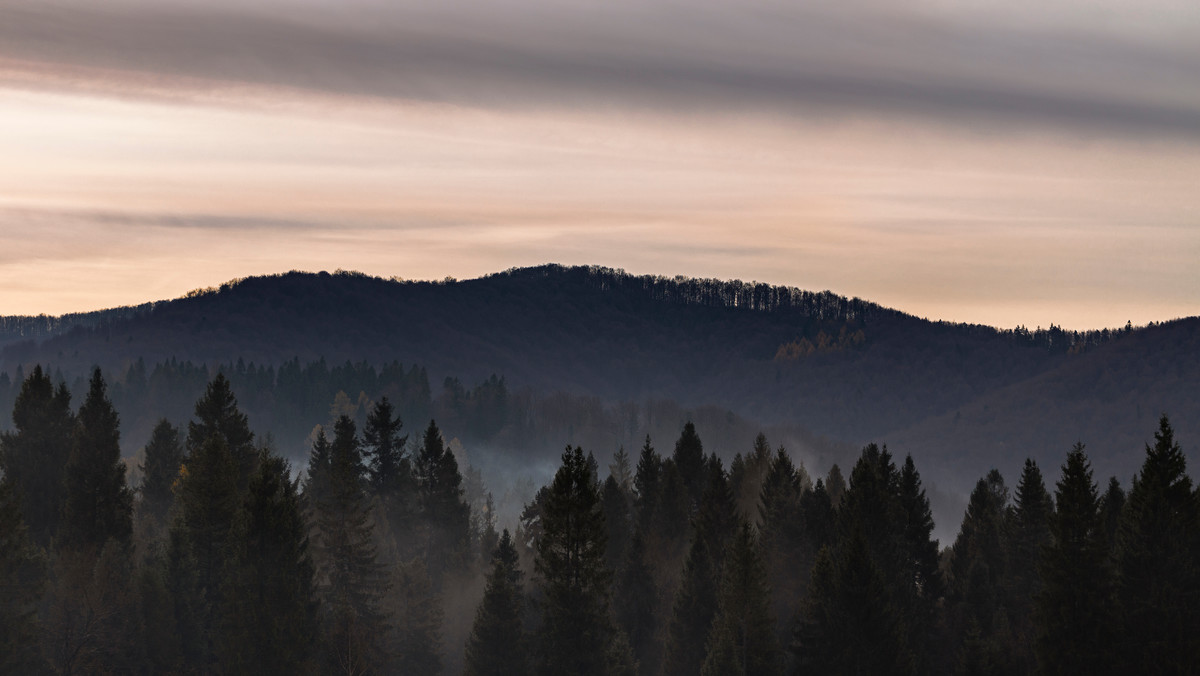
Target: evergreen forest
(382, 553)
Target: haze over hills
(838, 372)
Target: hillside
(962, 397)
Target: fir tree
(696, 605)
(743, 632)
(1112, 504)
(99, 505)
(647, 482)
(270, 609)
(160, 470)
(622, 470)
(497, 645)
(576, 629)
(389, 470)
(34, 456)
(1073, 609)
(1158, 586)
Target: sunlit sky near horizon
(1009, 163)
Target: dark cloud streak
(797, 62)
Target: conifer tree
(217, 414)
(1073, 608)
(1027, 534)
(201, 543)
(351, 578)
(318, 477)
(647, 483)
(34, 456)
(743, 634)
(634, 602)
(622, 470)
(22, 580)
(689, 459)
(1112, 504)
(696, 605)
(851, 625)
(389, 470)
(977, 570)
(270, 609)
(618, 520)
(417, 619)
(497, 645)
(99, 504)
(576, 630)
(160, 469)
(1158, 586)
(746, 476)
(447, 516)
(786, 547)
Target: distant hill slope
(968, 396)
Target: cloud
(991, 66)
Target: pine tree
(99, 505)
(352, 581)
(270, 609)
(22, 580)
(34, 456)
(217, 414)
(497, 645)
(576, 629)
(160, 469)
(1073, 609)
(743, 632)
(1158, 556)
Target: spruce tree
(1112, 504)
(389, 470)
(34, 456)
(1027, 534)
(743, 634)
(446, 515)
(416, 615)
(786, 545)
(497, 645)
(618, 520)
(850, 624)
(976, 603)
(160, 470)
(689, 459)
(622, 470)
(696, 605)
(99, 505)
(22, 580)
(647, 483)
(269, 613)
(1158, 557)
(352, 581)
(576, 628)
(217, 414)
(201, 543)
(635, 598)
(1073, 607)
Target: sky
(1007, 163)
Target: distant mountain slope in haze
(845, 368)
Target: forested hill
(844, 368)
